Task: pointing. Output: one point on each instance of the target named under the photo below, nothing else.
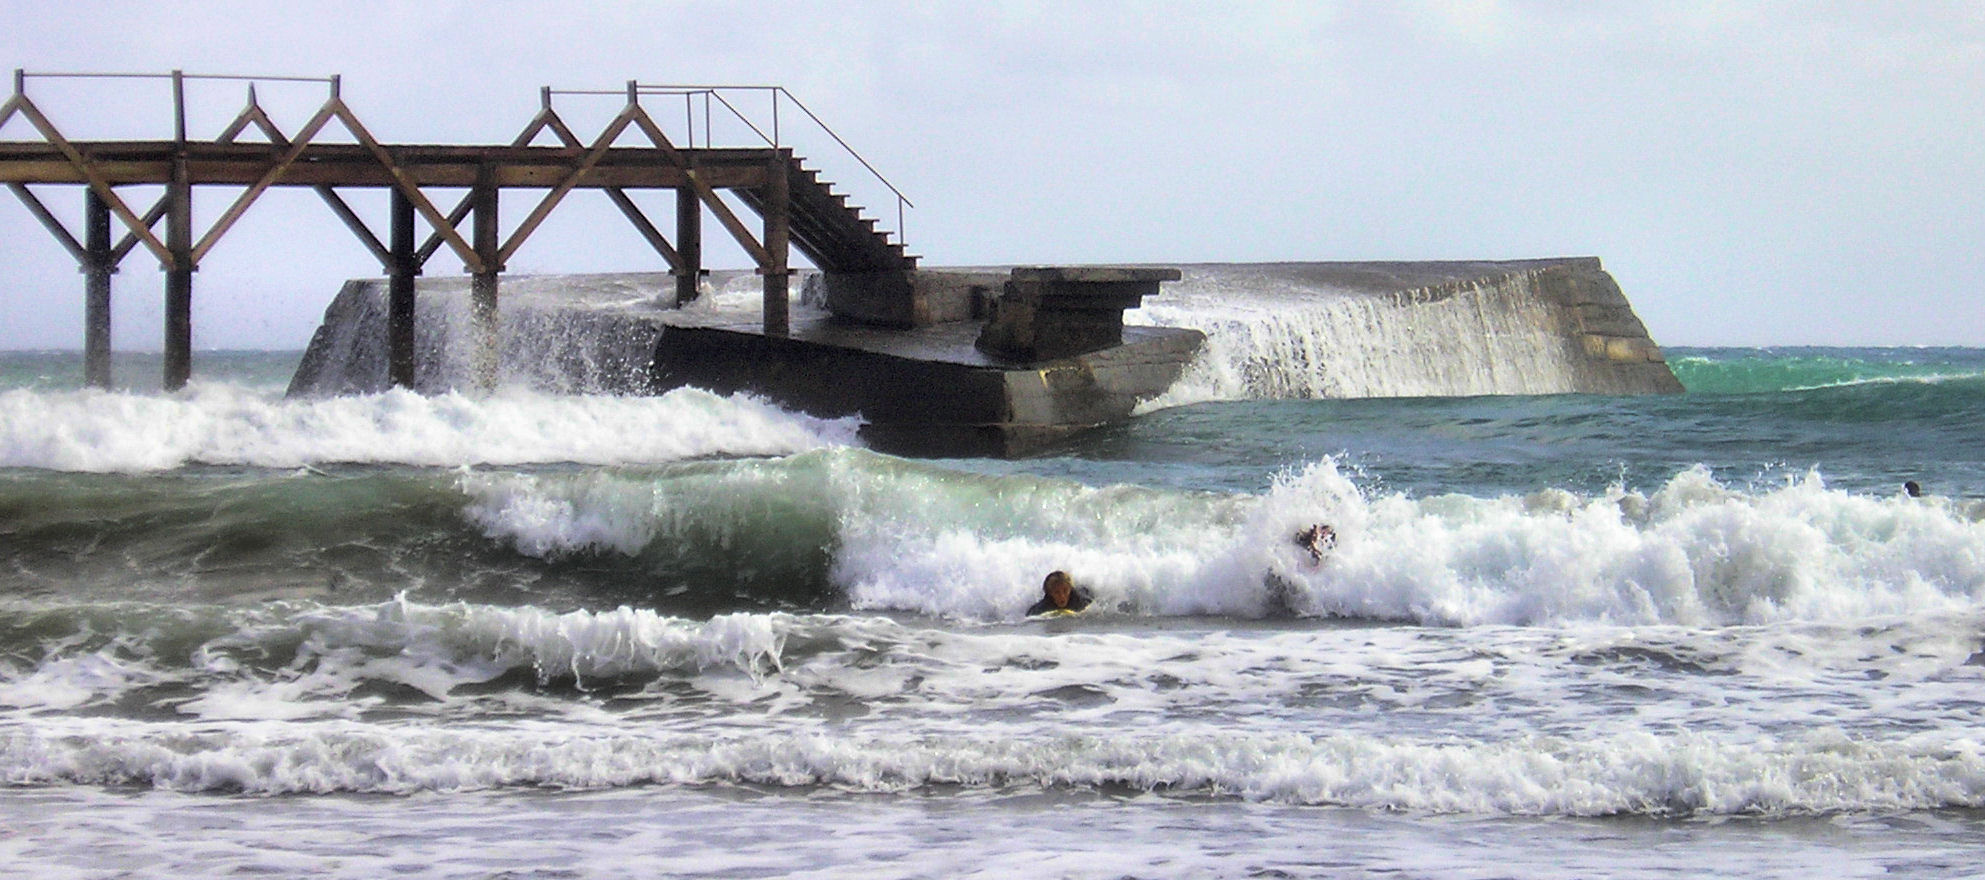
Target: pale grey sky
(1752, 173)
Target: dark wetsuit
(1078, 599)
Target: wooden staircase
(832, 233)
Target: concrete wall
(1277, 329)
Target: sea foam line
(221, 423)
(1633, 774)
(920, 539)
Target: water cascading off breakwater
(1274, 330)
(1339, 330)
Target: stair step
(831, 232)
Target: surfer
(1913, 488)
(1059, 593)
(1317, 539)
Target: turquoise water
(457, 636)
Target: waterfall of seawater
(1283, 340)
(1273, 331)
(561, 334)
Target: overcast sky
(1752, 173)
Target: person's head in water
(1059, 593)
(1317, 539)
(1058, 588)
(1914, 488)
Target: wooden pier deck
(797, 209)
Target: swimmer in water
(1913, 488)
(1317, 539)
(1059, 593)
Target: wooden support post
(401, 269)
(179, 278)
(98, 264)
(778, 237)
(483, 284)
(179, 251)
(688, 245)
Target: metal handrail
(27, 74)
(774, 140)
(634, 89)
(178, 78)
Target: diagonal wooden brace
(558, 192)
(619, 197)
(55, 227)
(703, 190)
(471, 261)
(83, 166)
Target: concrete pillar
(483, 284)
(778, 238)
(688, 244)
(179, 278)
(97, 269)
(400, 293)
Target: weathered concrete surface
(924, 392)
(1050, 312)
(905, 300)
(932, 390)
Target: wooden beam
(83, 167)
(778, 235)
(546, 118)
(178, 365)
(254, 115)
(647, 230)
(48, 219)
(435, 239)
(461, 210)
(558, 192)
(723, 212)
(324, 165)
(689, 234)
(483, 287)
(129, 241)
(619, 197)
(248, 115)
(98, 265)
(255, 190)
(400, 304)
(357, 225)
(470, 258)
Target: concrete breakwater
(1408, 329)
(932, 378)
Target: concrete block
(1049, 312)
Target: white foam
(434, 648)
(1579, 720)
(69, 681)
(1640, 774)
(60, 834)
(918, 538)
(222, 423)
(1287, 340)
(549, 515)
(1695, 552)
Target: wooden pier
(795, 207)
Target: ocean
(573, 635)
